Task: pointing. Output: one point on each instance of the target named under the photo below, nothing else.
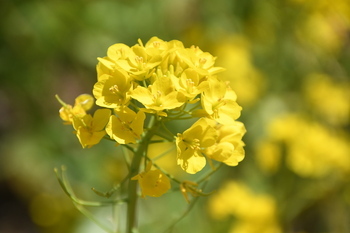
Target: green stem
(140, 153)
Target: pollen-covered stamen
(140, 63)
(217, 106)
(202, 61)
(215, 113)
(156, 44)
(156, 98)
(114, 89)
(126, 127)
(195, 144)
(189, 85)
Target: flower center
(140, 63)
(156, 98)
(190, 85)
(195, 144)
(156, 44)
(114, 89)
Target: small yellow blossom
(127, 127)
(108, 65)
(112, 91)
(157, 44)
(189, 83)
(141, 62)
(153, 183)
(90, 130)
(82, 104)
(192, 143)
(118, 52)
(219, 102)
(159, 96)
(202, 62)
(229, 145)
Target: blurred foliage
(288, 61)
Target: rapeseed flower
(229, 145)
(219, 102)
(192, 143)
(90, 129)
(112, 91)
(126, 127)
(153, 183)
(190, 84)
(159, 96)
(82, 104)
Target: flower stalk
(140, 153)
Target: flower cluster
(144, 86)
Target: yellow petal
(100, 119)
(191, 161)
(154, 183)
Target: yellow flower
(253, 212)
(219, 102)
(127, 127)
(82, 104)
(153, 183)
(159, 96)
(229, 146)
(190, 83)
(329, 98)
(268, 155)
(310, 155)
(90, 130)
(246, 80)
(192, 142)
(157, 47)
(118, 52)
(112, 91)
(141, 62)
(202, 62)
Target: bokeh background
(288, 61)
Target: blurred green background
(288, 61)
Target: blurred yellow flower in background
(329, 98)
(311, 149)
(246, 80)
(253, 212)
